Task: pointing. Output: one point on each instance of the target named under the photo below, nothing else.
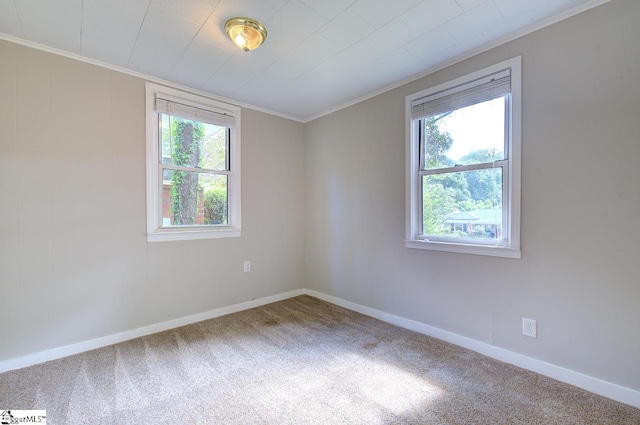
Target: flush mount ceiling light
(246, 33)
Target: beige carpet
(299, 361)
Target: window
(463, 164)
(193, 166)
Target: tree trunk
(188, 192)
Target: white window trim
(155, 233)
(412, 165)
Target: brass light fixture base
(246, 33)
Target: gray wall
(578, 275)
(74, 260)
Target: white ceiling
(319, 56)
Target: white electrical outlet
(247, 266)
(529, 328)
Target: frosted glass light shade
(246, 33)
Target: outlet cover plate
(529, 328)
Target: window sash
(163, 167)
(506, 228)
(227, 156)
(420, 129)
(464, 241)
(194, 170)
(502, 163)
(467, 100)
(181, 110)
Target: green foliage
(438, 202)
(437, 143)
(482, 155)
(177, 180)
(215, 205)
(187, 136)
(214, 149)
(485, 184)
(458, 183)
(445, 194)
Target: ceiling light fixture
(246, 33)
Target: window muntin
(193, 166)
(463, 164)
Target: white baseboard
(56, 353)
(580, 380)
(588, 383)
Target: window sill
(492, 251)
(185, 235)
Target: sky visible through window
(479, 126)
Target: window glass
(465, 136)
(193, 198)
(465, 204)
(192, 143)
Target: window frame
(510, 172)
(155, 231)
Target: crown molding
(146, 77)
(464, 56)
(430, 70)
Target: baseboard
(56, 353)
(586, 382)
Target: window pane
(466, 204)
(193, 143)
(471, 135)
(194, 199)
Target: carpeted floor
(299, 361)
